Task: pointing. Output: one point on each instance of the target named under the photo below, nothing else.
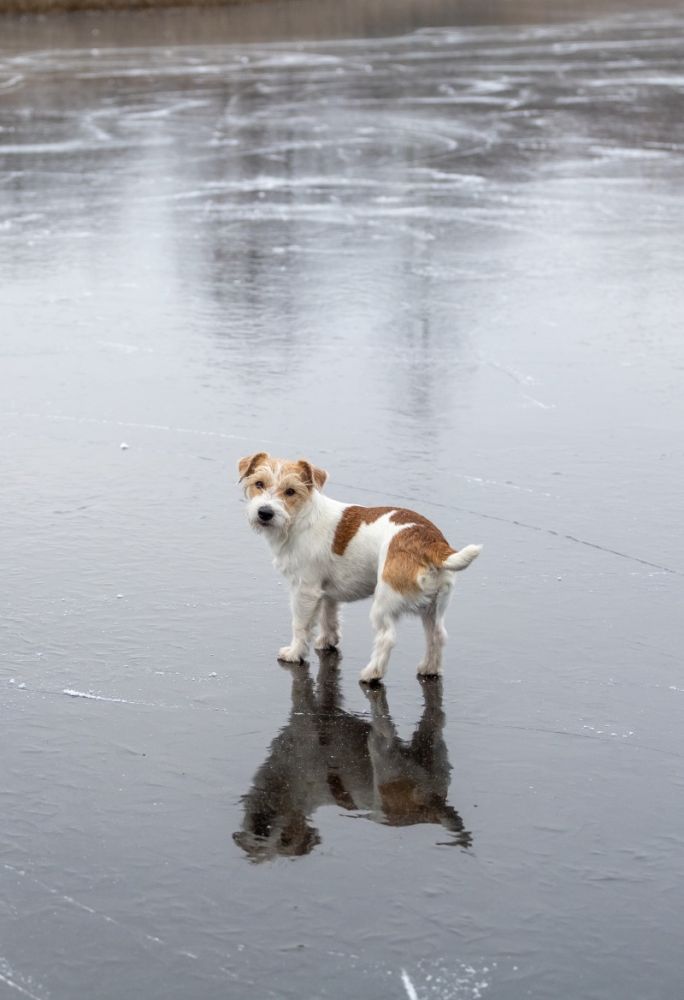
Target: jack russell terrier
(331, 552)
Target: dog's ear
(311, 475)
(320, 477)
(248, 464)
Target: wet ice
(446, 264)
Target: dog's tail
(463, 558)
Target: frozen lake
(443, 259)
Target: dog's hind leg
(435, 635)
(329, 636)
(386, 608)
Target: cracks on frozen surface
(141, 937)
(528, 527)
(17, 982)
(515, 522)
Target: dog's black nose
(265, 513)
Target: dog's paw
(371, 673)
(291, 654)
(429, 668)
(327, 642)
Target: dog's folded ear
(248, 464)
(311, 475)
(320, 477)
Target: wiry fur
(333, 552)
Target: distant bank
(390, 14)
(59, 6)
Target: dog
(332, 552)
(328, 756)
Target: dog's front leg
(306, 602)
(329, 637)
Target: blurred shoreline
(65, 6)
(305, 19)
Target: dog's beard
(268, 527)
(277, 527)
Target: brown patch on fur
(248, 464)
(292, 476)
(350, 522)
(262, 466)
(411, 552)
(353, 517)
(261, 469)
(312, 475)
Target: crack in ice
(408, 985)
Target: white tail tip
(463, 558)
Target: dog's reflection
(327, 756)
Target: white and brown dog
(331, 552)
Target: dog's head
(266, 836)
(277, 491)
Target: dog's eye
(259, 485)
(290, 492)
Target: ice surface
(442, 257)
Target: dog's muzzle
(265, 514)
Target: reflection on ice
(420, 115)
(327, 756)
